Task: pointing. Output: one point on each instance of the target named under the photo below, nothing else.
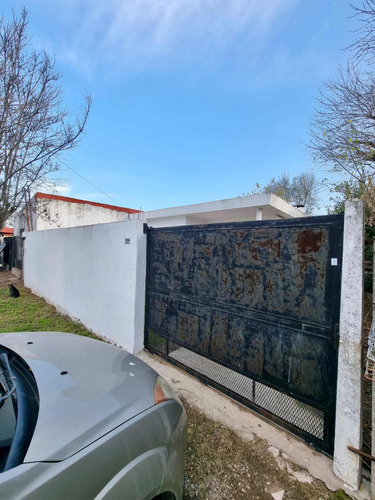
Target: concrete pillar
(346, 464)
(259, 214)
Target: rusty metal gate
(252, 308)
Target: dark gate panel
(260, 299)
(13, 252)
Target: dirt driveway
(6, 278)
(220, 465)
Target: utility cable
(91, 184)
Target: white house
(243, 208)
(50, 211)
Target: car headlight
(163, 391)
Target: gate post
(346, 464)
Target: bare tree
(343, 127)
(302, 190)
(306, 191)
(363, 48)
(281, 187)
(34, 130)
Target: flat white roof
(231, 209)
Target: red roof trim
(94, 203)
(7, 230)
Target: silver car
(82, 419)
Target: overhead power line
(89, 182)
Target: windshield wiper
(7, 394)
(6, 380)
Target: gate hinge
(145, 228)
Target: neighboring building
(7, 231)
(242, 208)
(49, 211)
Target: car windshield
(19, 405)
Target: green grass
(339, 495)
(157, 342)
(30, 313)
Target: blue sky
(194, 100)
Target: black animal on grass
(13, 291)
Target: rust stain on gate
(259, 298)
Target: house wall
(242, 208)
(178, 220)
(52, 214)
(95, 274)
(67, 214)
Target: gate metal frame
(332, 287)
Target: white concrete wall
(52, 214)
(67, 214)
(20, 222)
(174, 220)
(95, 274)
(347, 464)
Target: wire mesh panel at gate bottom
(301, 415)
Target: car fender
(126, 484)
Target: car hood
(86, 389)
